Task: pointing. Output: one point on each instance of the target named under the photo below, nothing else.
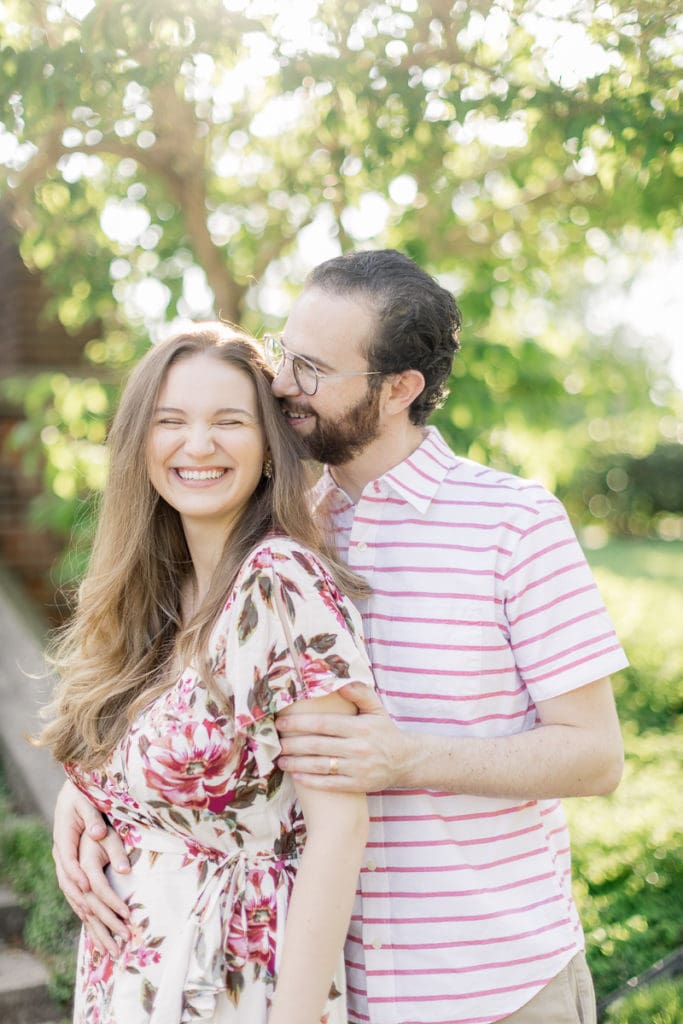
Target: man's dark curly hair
(418, 320)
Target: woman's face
(205, 448)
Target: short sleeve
(560, 630)
(292, 635)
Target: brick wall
(29, 344)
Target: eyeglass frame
(294, 357)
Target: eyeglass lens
(304, 374)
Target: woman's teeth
(200, 474)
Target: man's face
(343, 417)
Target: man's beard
(336, 442)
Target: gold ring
(334, 766)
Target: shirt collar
(416, 480)
(327, 497)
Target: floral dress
(210, 823)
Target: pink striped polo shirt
(482, 603)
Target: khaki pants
(567, 999)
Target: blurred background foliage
(628, 868)
(183, 160)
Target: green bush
(628, 870)
(642, 584)
(634, 494)
(661, 1003)
(51, 928)
(626, 848)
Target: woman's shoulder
(279, 553)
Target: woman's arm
(323, 894)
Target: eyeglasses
(306, 374)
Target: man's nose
(284, 383)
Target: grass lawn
(628, 862)
(641, 559)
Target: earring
(267, 467)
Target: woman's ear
(403, 389)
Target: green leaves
(188, 161)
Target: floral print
(188, 767)
(211, 824)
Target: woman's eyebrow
(218, 412)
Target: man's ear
(403, 388)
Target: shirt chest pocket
(456, 634)
(438, 646)
(449, 673)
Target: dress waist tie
(222, 933)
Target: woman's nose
(199, 441)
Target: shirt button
(362, 546)
(371, 865)
(376, 943)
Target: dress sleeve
(292, 636)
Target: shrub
(51, 928)
(626, 848)
(661, 1003)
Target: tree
(184, 159)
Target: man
(491, 650)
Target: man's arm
(577, 750)
(83, 846)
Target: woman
(211, 605)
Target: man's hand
(81, 875)
(368, 751)
(106, 915)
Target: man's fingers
(313, 745)
(364, 697)
(319, 725)
(106, 897)
(90, 819)
(72, 893)
(69, 873)
(101, 939)
(311, 765)
(108, 921)
(116, 852)
(93, 822)
(94, 858)
(73, 814)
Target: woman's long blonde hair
(115, 654)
